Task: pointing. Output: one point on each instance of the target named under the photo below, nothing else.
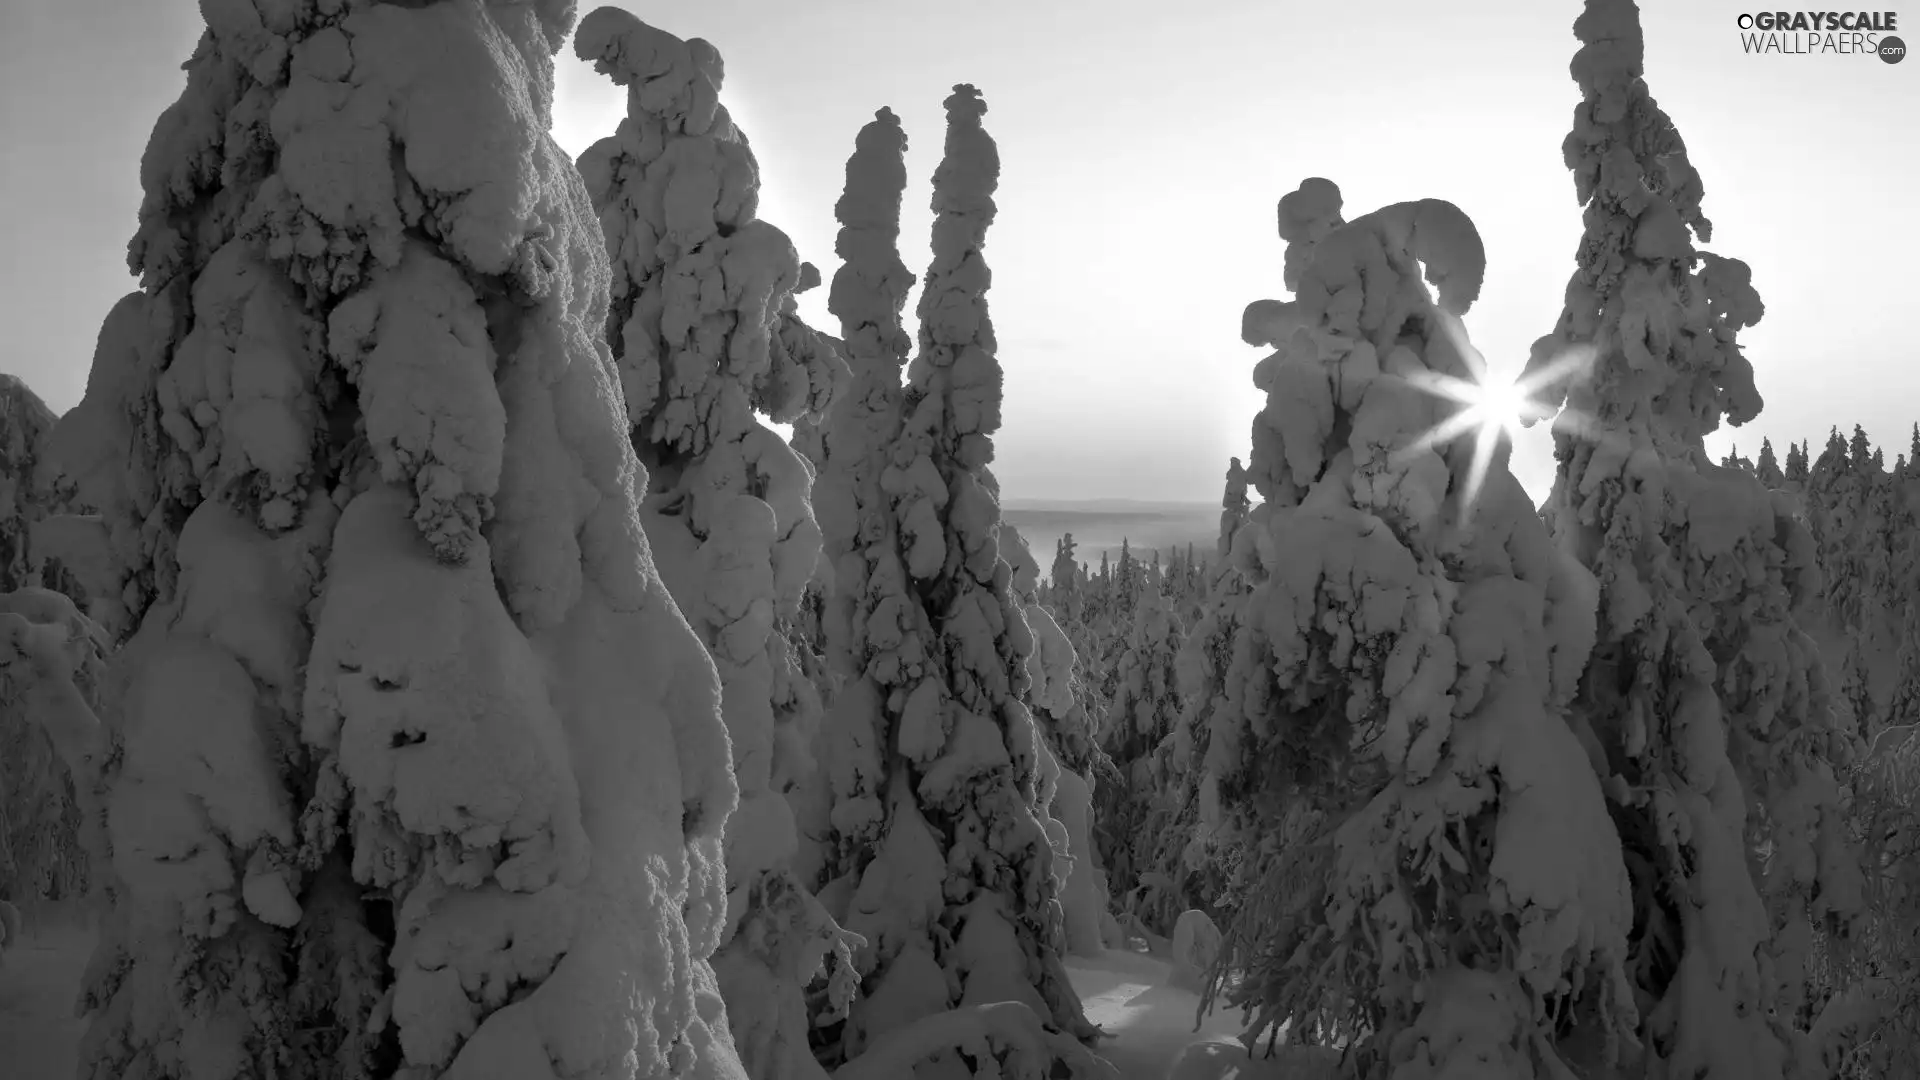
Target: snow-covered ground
(1148, 1022)
(39, 982)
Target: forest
(475, 627)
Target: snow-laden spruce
(412, 767)
(1056, 695)
(1185, 858)
(704, 331)
(1056, 699)
(51, 829)
(1144, 705)
(1430, 868)
(42, 853)
(1065, 595)
(936, 851)
(24, 422)
(1704, 709)
(1851, 508)
(860, 564)
(1864, 983)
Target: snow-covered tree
(1864, 982)
(1055, 693)
(799, 339)
(24, 422)
(1065, 571)
(1072, 765)
(1796, 469)
(1070, 598)
(704, 331)
(1184, 860)
(938, 853)
(859, 564)
(1234, 506)
(1431, 868)
(42, 855)
(1707, 710)
(1767, 468)
(50, 675)
(411, 766)
(1141, 711)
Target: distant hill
(1117, 506)
(1100, 525)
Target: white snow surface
(40, 977)
(1156, 1030)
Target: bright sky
(1143, 147)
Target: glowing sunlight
(1498, 405)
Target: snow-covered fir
(703, 331)
(1705, 705)
(407, 764)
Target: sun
(1499, 402)
(1497, 405)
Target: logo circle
(1892, 50)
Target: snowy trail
(39, 982)
(1150, 1023)
(1124, 994)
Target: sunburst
(1497, 405)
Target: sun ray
(1496, 406)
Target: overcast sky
(1143, 147)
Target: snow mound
(1196, 944)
